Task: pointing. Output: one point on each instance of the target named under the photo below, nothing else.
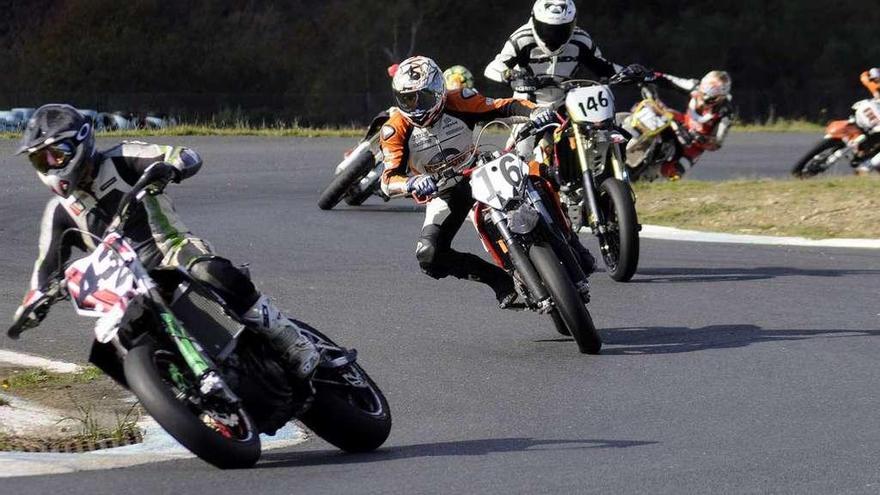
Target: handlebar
(151, 175)
(56, 289)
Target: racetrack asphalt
(726, 368)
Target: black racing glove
(162, 173)
(637, 72)
(522, 81)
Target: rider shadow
(441, 449)
(672, 340)
(696, 275)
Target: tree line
(324, 61)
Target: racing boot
(588, 262)
(295, 348)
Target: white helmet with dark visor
(419, 90)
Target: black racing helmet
(553, 22)
(60, 143)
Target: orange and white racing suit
(446, 145)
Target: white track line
(673, 234)
(29, 361)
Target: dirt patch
(847, 207)
(65, 412)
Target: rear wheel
(620, 242)
(218, 432)
(349, 410)
(818, 159)
(344, 180)
(566, 298)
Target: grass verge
(25, 380)
(95, 413)
(847, 207)
(779, 125)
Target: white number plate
(649, 119)
(591, 105)
(499, 181)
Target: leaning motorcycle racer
(549, 44)
(871, 80)
(90, 185)
(707, 119)
(432, 133)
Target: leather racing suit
(154, 229)
(522, 51)
(446, 144)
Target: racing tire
(144, 377)
(804, 168)
(353, 420)
(559, 323)
(620, 243)
(572, 310)
(343, 181)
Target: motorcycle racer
(707, 119)
(432, 133)
(90, 185)
(871, 80)
(549, 44)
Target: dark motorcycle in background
(356, 177)
(588, 160)
(208, 380)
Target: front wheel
(220, 433)
(342, 182)
(620, 242)
(566, 298)
(818, 159)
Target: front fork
(595, 220)
(521, 262)
(202, 367)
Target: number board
(590, 105)
(499, 181)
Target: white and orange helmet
(419, 90)
(714, 87)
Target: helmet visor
(55, 156)
(554, 35)
(417, 102)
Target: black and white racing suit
(154, 229)
(522, 51)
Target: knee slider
(426, 253)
